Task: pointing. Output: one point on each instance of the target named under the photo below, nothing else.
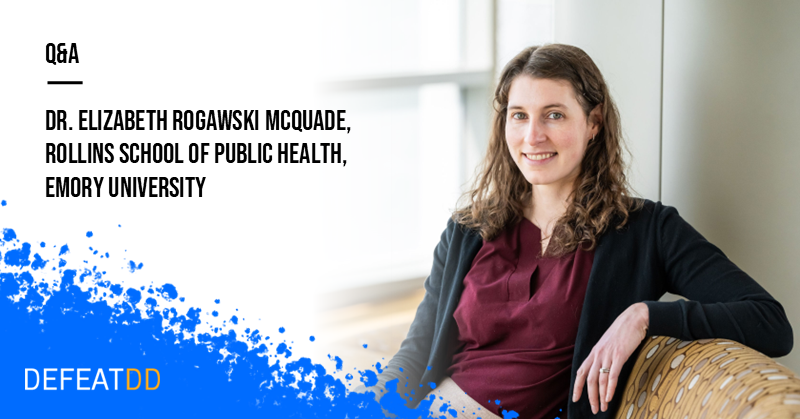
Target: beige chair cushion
(708, 378)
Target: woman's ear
(596, 119)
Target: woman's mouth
(539, 157)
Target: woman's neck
(548, 204)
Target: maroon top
(517, 323)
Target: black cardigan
(657, 251)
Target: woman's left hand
(613, 349)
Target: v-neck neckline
(542, 250)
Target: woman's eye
(518, 115)
(556, 115)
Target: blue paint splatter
(281, 330)
(312, 338)
(443, 407)
(9, 234)
(38, 262)
(3, 202)
(282, 349)
(79, 319)
(235, 320)
(369, 378)
(255, 337)
(89, 234)
(168, 291)
(133, 267)
(365, 345)
(133, 296)
(216, 301)
(19, 257)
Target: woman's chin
(548, 178)
(540, 180)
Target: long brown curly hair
(500, 192)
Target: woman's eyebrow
(552, 105)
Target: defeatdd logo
(82, 376)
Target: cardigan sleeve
(723, 301)
(410, 361)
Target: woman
(548, 279)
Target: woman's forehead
(527, 91)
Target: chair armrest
(707, 378)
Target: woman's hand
(613, 349)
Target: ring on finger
(605, 370)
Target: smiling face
(547, 131)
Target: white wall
(623, 37)
(730, 143)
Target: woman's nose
(533, 132)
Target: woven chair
(706, 379)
